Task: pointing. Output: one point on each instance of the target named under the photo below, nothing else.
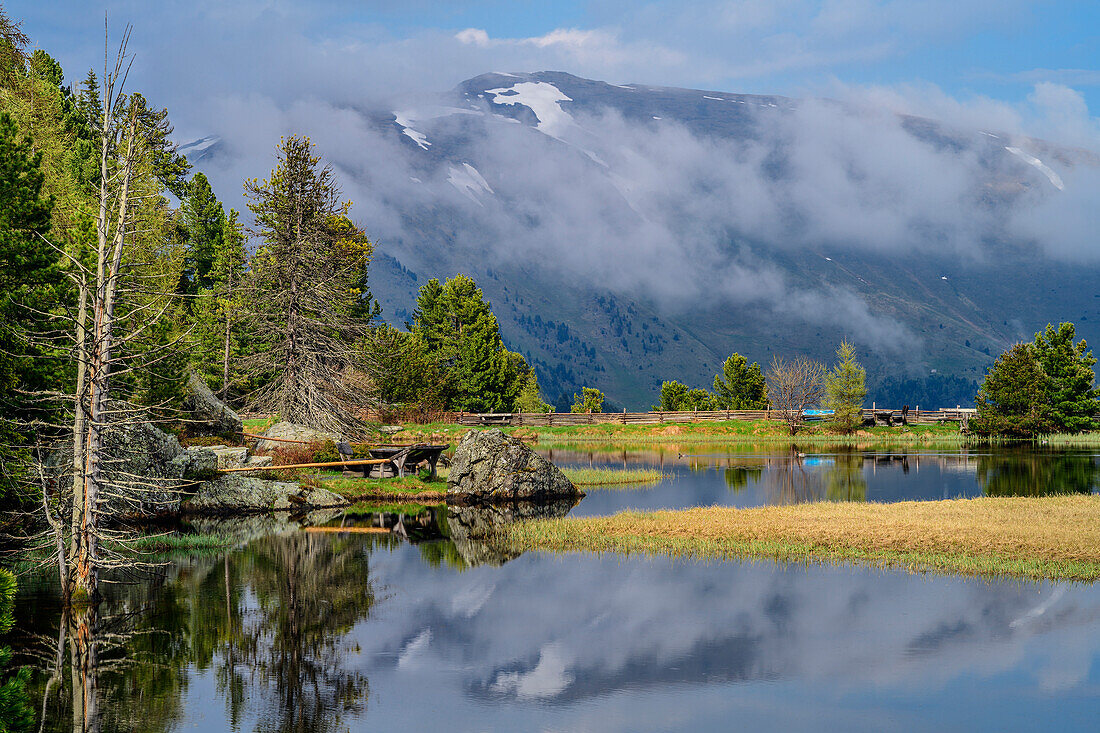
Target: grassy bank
(612, 477)
(409, 489)
(1056, 538)
(418, 490)
(729, 431)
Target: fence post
(624, 416)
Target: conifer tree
(455, 325)
(304, 297)
(845, 390)
(530, 398)
(1068, 367)
(1014, 399)
(27, 270)
(740, 386)
(204, 220)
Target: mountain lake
(389, 621)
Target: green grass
(1053, 538)
(612, 477)
(1067, 440)
(366, 488)
(716, 432)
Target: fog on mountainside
(630, 234)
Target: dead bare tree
(794, 386)
(122, 288)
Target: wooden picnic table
(401, 459)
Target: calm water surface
(366, 630)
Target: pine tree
(456, 326)
(304, 295)
(218, 313)
(845, 390)
(27, 271)
(740, 386)
(530, 399)
(1014, 399)
(1068, 366)
(205, 222)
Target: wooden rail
(563, 419)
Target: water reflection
(786, 474)
(415, 613)
(271, 622)
(1038, 474)
(455, 536)
(284, 634)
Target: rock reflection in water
(472, 526)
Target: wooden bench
(402, 460)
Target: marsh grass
(613, 478)
(1069, 440)
(1056, 538)
(365, 489)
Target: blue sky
(966, 48)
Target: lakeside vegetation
(612, 477)
(1052, 538)
(718, 431)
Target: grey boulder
(233, 493)
(290, 431)
(492, 467)
(206, 414)
(145, 470)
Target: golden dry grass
(615, 478)
(1047, 537)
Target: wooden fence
(561, 419)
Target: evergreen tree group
(1041, 387)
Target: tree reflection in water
(271, 620)
(1037, 474)
(844, 481)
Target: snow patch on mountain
(468, 181)
(540, 97)
(1043, 168)
(199, 149)
(417, 137)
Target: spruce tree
(845, 390)
(204, 220)
(304, 296)
(740, 386)
(1068, 367)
